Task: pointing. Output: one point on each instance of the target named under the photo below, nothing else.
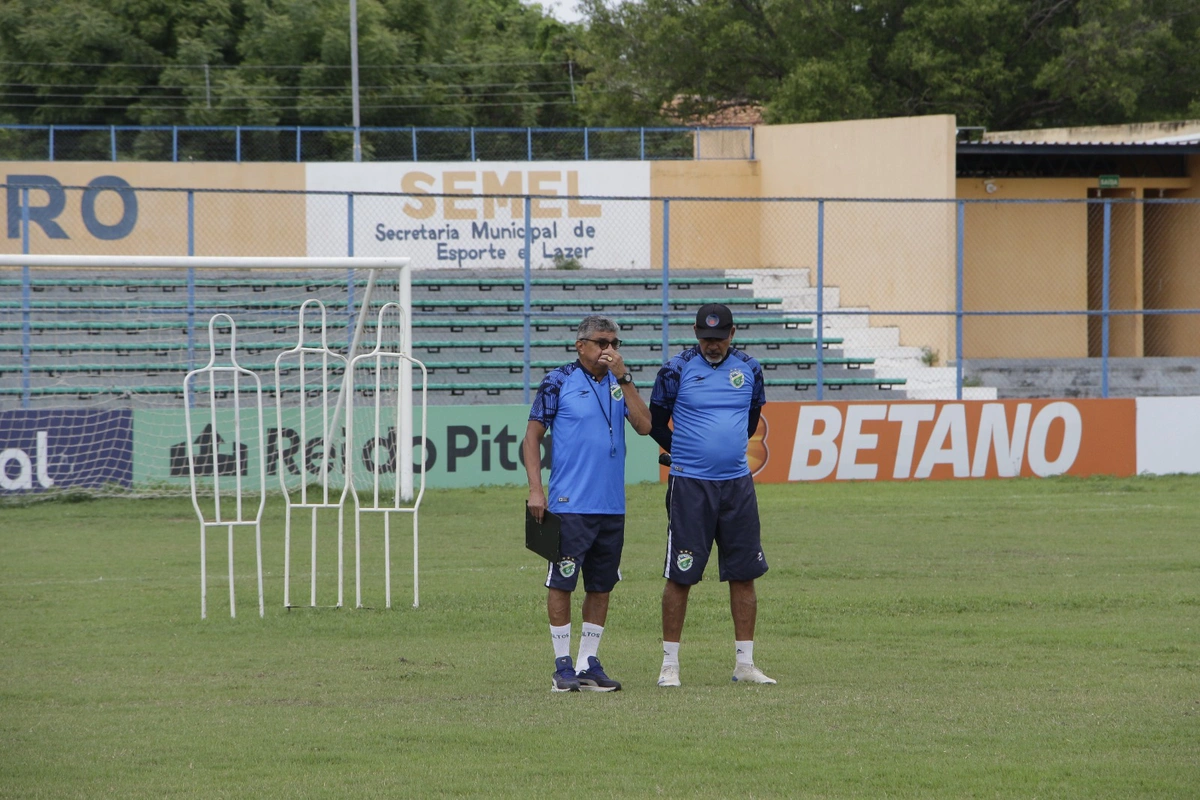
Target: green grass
(941, 639)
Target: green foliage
(1002, 64)
(283, 62)
(1017, 638)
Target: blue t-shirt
(710, 406)
(586, 418)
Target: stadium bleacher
(91, 337)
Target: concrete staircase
(861, 339)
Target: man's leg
(595, 611)
(558, 609)
(743, 604)
(592, 677)
(674, 610)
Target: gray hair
(595, 323)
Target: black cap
(714, 321)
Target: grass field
(941, 639)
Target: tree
(996, 63)
(283, 62)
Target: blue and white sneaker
(593, 678)
(564, 676)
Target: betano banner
(916, 440)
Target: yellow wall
(1025, 257)
(883, 256)
(707, 235)
(1173, 272)
(233, 224)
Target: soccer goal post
(96, 349)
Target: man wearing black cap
(714, 394)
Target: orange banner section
(917, 439)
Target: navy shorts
(701, 512)
(590, 543)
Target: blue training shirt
(710, 406)
(586, 419)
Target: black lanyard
(612, 446)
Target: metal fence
(330, 144)
(840, 299)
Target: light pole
(354, 77)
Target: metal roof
(1163, 158)
(1166, 147)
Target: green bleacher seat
(432, 284)
(488, 345)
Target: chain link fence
(839, 299)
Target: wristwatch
(626, 378)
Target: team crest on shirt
(566, 567)
(684, 560)
(615, 391)
(737, 378)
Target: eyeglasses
(615, 344)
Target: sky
(563, 10)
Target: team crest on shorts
(566, 567)
(615, 391)
(684, 561)
(737, 379)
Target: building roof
(1150, 150)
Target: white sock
(670, 653)
(560, 635)
(589, 643)
(745, 652)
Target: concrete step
(949, 393)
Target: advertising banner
(466, 446)
(65, 449)
(944, 439)
(454, 215)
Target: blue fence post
(191, 282)
(237, 135)
(820, 299)
(51, 158)
(175, 143)
(666, 282)
(1105, 298)
(529, 144)
(585, 144)
(527, 307)
(26, 306)
(299, 146)
(959, 251)
(642, 144)
(112, 140)
(414, 142)
(472, 129)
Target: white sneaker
(746, 673)
(670, 675)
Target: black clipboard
(542, 537)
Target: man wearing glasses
(584, 404)
(714, 393)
